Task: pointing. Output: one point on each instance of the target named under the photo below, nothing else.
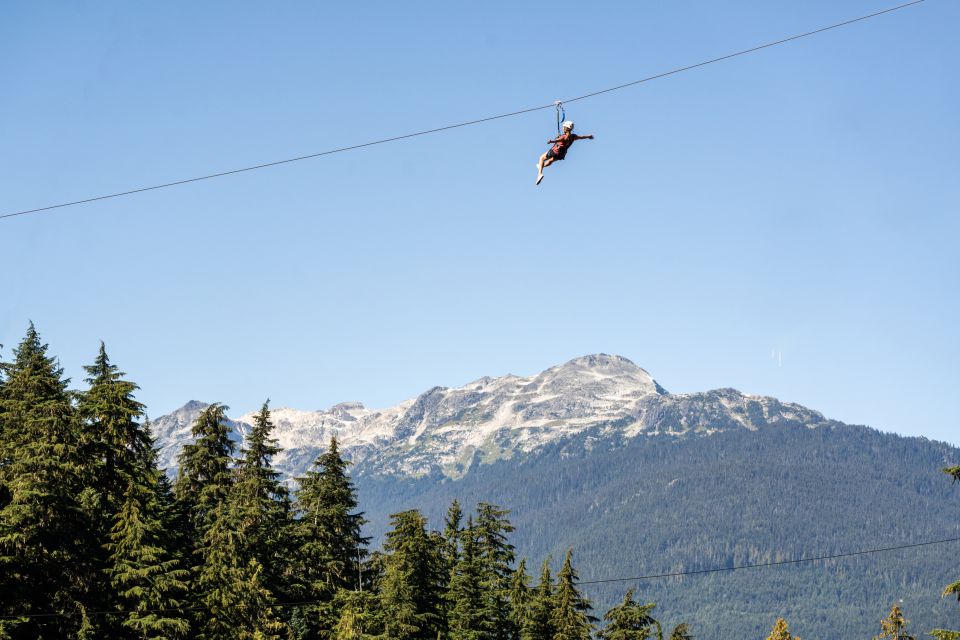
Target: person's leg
(544, 161)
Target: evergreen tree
(237, 604)
(48, 548)
(150, 583)
(538, 614)
(466, 620)
(174, 518)
(631, 620)
(894, 627)
(571, 618)
(453, 526)
(681, 632)
(330, 547)
(119, 446)
(205, 477)
(263, 505)
(117, 450)
(496, 556)
(452, 543)
(780, 631)
(951, 589)
(519, 596)
(411, 593)
(359, 618)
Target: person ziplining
(564, 140)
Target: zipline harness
(561, 116)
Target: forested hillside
(646, 506)
(97, 542)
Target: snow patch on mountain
(449, 429)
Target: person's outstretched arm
(589, 137)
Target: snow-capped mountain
(449, 429)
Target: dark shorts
(555, 155)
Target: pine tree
(681, 632)
(330, 547)
(150, 582)
(360, 616)
(117, 450)
(780, 631)
(237, 604)
(951, 590)
(452, 543)
(631, 620)
(571, 619)
(48, 561)
(119, 446)
(538, 614)
(411, 593)
(894, 627)
(519, 596)
(466, 593)
(263, 505)
(496, 556)
(205, 477)
(453, 526)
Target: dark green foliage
(262, 505)
(467, 620)
(236, 603)
(681, 632)
(118, 453)
(149, 581)
(118, 447)
(93, 533)
(571, 617)
(538, 614)
(952, 590)
(631, 620)
(205, 476)
(414, 580)
(655, 504)
(453, 526)
(330, 547)
(49, 553)
(495, 556)
(520, 594)
(359, 616)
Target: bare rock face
(447, 430)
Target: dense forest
(651, 505)
(97, 542)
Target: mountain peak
(603, 367)
(191, 406)
(448, 429)
(600, 361)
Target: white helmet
(567, 124)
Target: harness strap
(561, 115)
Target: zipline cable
(464, 124)
(777, 563)
(652, 576)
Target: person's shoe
(539, 178)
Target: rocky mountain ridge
(447, 430)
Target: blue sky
(801, 200)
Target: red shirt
(563, 143)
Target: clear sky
(800, 201)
